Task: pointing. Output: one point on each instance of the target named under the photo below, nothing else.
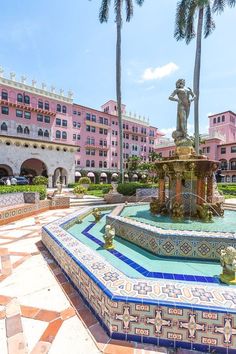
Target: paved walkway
(40, 312)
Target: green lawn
(96, 193)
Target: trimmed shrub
(227, 188)
(84, 180)
(93, 186)
(79, 190)
(40, 180)
(72, 185)
(27, 188)
(130, 188)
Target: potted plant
(84, 181)
(79, 191)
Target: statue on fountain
(228, 262)
(97, 214)
(109, 237)
(184, 96)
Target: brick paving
(40, 311)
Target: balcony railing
(27, 107)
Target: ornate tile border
(173, 243)
(164, 312)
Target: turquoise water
(219, 224)
(87, 230)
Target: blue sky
(63, 43)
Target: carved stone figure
(156, 207)
(228, 262)
(97, 214)
(177, 211)
(204, 213)
(59, 187)
(184, 96)
(109, 237)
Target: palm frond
(104, 11)
(180, 19)
(139, 2)
(218, 6)
(118, 7)
(190, 21)
(209, 24)
(129, 9)
(231, 3)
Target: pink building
(220, 144)
(37, 116)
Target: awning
(126, 175)
(135, 176)
(103, 174)
(77, 174)
(144, 176)
(114, 175)
(91, 174)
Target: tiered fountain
(191, 186)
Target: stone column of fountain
(191, 178)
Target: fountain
(168, 276)
(191, 178)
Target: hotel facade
(43, 132)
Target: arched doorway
(33, 167)
(60, 175)
(5, 171)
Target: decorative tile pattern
(175, 243)
(167, 309)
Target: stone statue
(182, 95)
(109, 237)
(59, 187)
(97, 214)
(228, 262)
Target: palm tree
(186, 12)
(103, 17)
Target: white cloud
(168, 131)
(159, 72)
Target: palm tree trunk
(196, 78)
(118, 87)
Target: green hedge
(97, 187)
(14, 189)
(130, 188)
(227, 188)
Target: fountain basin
(166, 312)
(161, 236)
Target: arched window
(233, 179)
(19, 97)
(26, 130)
(63, 109)
(46, 106)
(87, 163)
(19, 129)
(46, 133)
(40, 132)
(4, 126)
(105, 164)
(233, 165)
(100, 164)
(58, 134)
(26, 99)
(64, 135)
(92, 163)
(58, 108)
(40, 104)
(4, 95)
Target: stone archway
(60, 174)
(33, 167)
(5, 171)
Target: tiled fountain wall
(166, 313)
(172, 243)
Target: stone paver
(40, 312)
